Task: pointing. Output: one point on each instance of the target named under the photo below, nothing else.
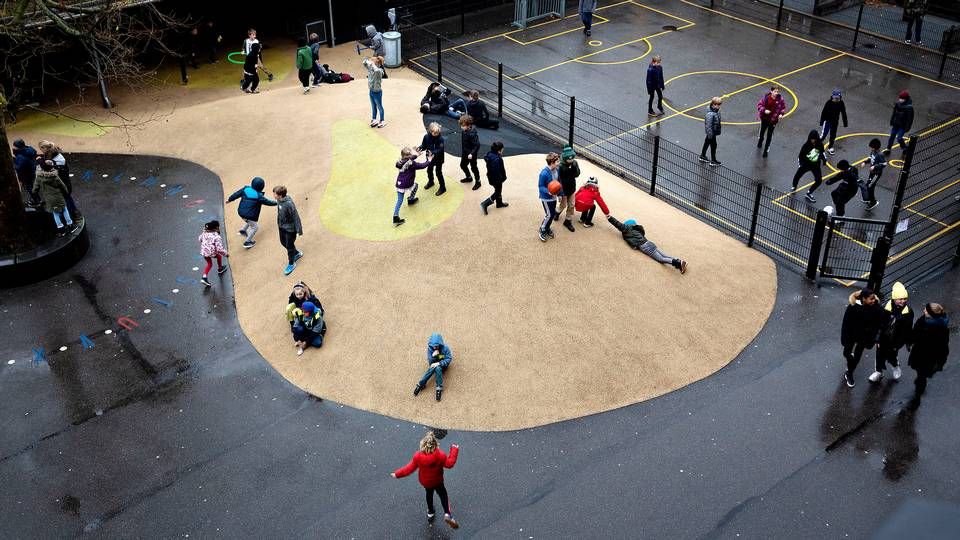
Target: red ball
(554, 187)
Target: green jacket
(51, 190)
(304, 58)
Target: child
(433, 142)
(435, 101)
(635, 237)
(894, 333)
(308, 327)
(877, 162)
(809, 159)
(288, 223)
(431, 461)
(51, 189)
(901, 120)
(406, 181)
(251, 201)
(830, 118)
(712, 126)
(860, 329)
(587, 199)
(478, 111)
(301, 293)
(304, 64)
(547, 199)
(770, 110)
(251, 79)
(567, 173)
(211, 245)
(655, 85)
(849, 183)
(439, 357)
(931, 346)
(374, 40)
(375, 74)
(469, 150)
(496, 176)
(251, 39)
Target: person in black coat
(901, 120)
(655, 85)
(931, 345)
(849, 184)
(895, 332)
(810, 157)
(478, 111)
(636, 237)
(861, 328)
(469, 150)
(496, 176)
(433, 142)
(833, 109)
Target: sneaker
(683, 266)
(430, 517)
(588, 33)
(543, 236)
(483, 206)
(249, 244)
(651, 113)
(466, 180)
(298, 256)
(907, 41)
(873, 205)
(661, 112)
(809, 196)
(586, 224)
(897, 373)
(849, 380)
(429, 185)
(397, 221)
(306, 90)
(760, 143)
(439, 393)
(447, 517)
(714, 163)
(569, 225)
(556, 217)
(875, 376)
(919, 43)
(205, 281)
(831, 151)
(441, 191)
(502, 205)
(373, 122)
(221, 270)
(416, 391)
(299, 351)
(476, 186)
(382, 124)
(412, 201)
(703, 159)
(550, 234)
(289, 269)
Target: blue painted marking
(87, 175)
(151, 180)
(86, 342)
(162, 302)
(175, 189)
(39, 355)
(191, 281)
(117, 178)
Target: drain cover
(670, 28)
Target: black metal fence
(868, 35)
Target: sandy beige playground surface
(540, 332)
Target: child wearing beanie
(568, 173)
(901, 120)
(895, 332)
(635, 237)
(587, 199)
(833, 109)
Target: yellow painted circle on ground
(793, 95)
(359, 199)
(616, 62)
(897, 165)
(594, 43)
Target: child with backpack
(211, 246)
(878, 162)
(587, 199)
(406, 181)
(894, 333)
(431, 461)
(433, 144)
(251, 201)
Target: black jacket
(434, 145)
(931, 344)
(808, 147)
(832, 110)
(496, 173)
(436, 101)
(861, 323)
(634, 236)
(849, 183)
(902, 116)
(896, 330)
(568, 177)
(470, 142)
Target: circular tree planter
(54, 255)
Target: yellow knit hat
(899, 292)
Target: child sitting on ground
(307, 326)
(439, 357)
(301, 293)
(587, 199)
(478, 110)
(635, 237)
(406, 180)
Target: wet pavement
(178, 427)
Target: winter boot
(439, 392)
(569, 225)
(484, 205)
(397, 221)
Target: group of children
(45, 176)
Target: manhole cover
(670, 28)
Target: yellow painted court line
(930, 238)
(938, 127)
(808, 218)
(688, 109)
(618, 62)
(551, 36)
(927, 196)
(938, 222)
(782, 33)
(671, 15)
(472, 59)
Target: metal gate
(851, 248)
(528, 11)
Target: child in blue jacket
(547, 199)
(251, 201)
(439, 357)
(655, 85)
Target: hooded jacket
(711, 122)
(446, 355)
(931, 344)
(304, 326)
(304, 58)
(251, 200)
(849, 181)
(470, 142)
(25, 162)
(587, 196)
(434, 145)
(408, 171)
(776, 106)
(654, 78)
(832, 111)
(430, 466)
(861, 323)
(633, 235)
(288, 219)
(902, 116)
(811, 153)
(211, 244)
(567, 173)
(51, 189)
(496, 173)
(375, 40)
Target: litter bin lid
(391, 35)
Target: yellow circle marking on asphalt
(796, 101)
(616, 62)
(594, 43)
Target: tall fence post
(654, 165)
(856, 32)
(779, 14)
(956, 256)
(945, 42)
(818, 230)
(573, 113)
(500, 89)
(439, 61)
(878, 262)
(756, 214)
(901, 186)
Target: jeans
(317, 74)
(587, 18)
(918, 21)
(432, 372)
(444, 500)
(650, 249)
(896, 133)
(814, 168)
(66, 217)
(376, 105)
(456, 109)
(766, 128)
(828, 130)
(659, 93)
(710, 142)
(852, 353)
(549, 211)
(310, 339)
(410, 200)
(288, 240)
(249, 228)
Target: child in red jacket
(587, 198)
(431, 460)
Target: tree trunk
(13, 218)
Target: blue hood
(435, 339)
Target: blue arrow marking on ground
(151, 180)
(86, 342)
(39, 355)
(117, 178)
(175, 189)
(162, 302)
(87, 175)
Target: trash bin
(391, 49)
